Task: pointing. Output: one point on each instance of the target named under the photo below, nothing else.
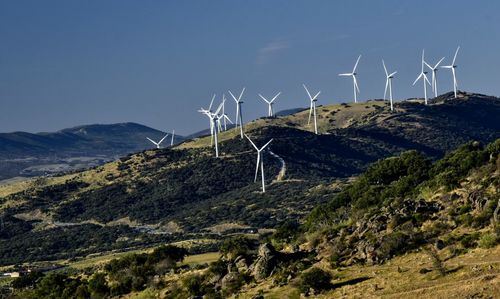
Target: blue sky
(66, 63)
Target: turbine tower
(239, 118)
(434, 70)
(270, 112)
(157, 143)
(312, 109)
(453, 66)
(388, 83)
(260, 162)
(354, 81)
(423, 76)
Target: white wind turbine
(239, 118)
(207, 112)
(388, 83)
(270, 112)
(157, 143)
(312, 109)
(434, 70)
(354, 81)
(172, 139)
(423, 76)
(260, 162)
(453, 66)
(215, 119)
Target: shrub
(316, 279)
(236, 246)
(488, 240)
(194, 285)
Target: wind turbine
(157, 143)
(172, 140)
(207, 112)
(453, 66)
(354, 81)
(215, 119)
(270, 112)
(239, 118)
(260, 162)
(423, 76)
(388, 83)
(434, 70)
(312, 109)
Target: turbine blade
(418, 78)
(257, 167)
(241, 94)
(219, 108)
(316, 96)
(355, 83)
(386, 84)
(305, 87)
(263, 98)
(232, 95)
(392, 74)
(455, 57)
(385, 69)
(346, 74)
(252, 142)
(265, 145)
(277, 95)
(152, 141)
(310, 113)
(211, 102)
(426, 79)
(161, 140)
(439, 62)
(428, 65)
(356, 65)
(227, 118)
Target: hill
(406, 227)
(27, 154)
(169, 194)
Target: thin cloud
(265, 53)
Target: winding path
(282, 173)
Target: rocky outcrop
(265, 262)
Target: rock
(230, 279)
(241, 264)
(265, 262)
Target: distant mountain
(27, 154)
(186, 192)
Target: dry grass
(476, 273)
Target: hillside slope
(406, 227)
(184, 192)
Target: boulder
(265, 262)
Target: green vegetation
(314, 279)
(133, 272)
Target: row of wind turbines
(218, 118)
(422, 76)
